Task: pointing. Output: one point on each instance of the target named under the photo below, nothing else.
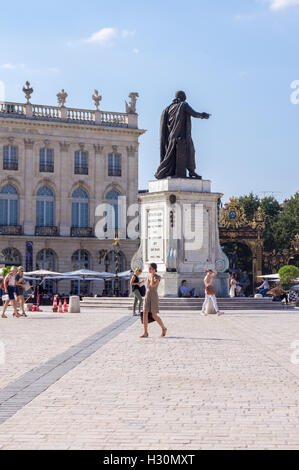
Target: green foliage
(288, 274)
(282, 223)
(250, 203)
(5, 271)
(286, 224)
(271, 207)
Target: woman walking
(20, 284)
(135, 283)
(10, 291)
(152, 300)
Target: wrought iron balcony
(81, 232)
(81, 171)
(10, 165)
(46, 231)
(10, 230)
(114, 172)
(46, 168)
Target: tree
(288, 274)
(250, 203)
(271, 207)
(286, 226)
(5, 271)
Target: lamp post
(116, 249)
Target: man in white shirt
(264, 288)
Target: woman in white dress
(232, 285)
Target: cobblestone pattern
(212, 383)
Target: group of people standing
(14, 287)
(151, 301)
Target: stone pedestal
(179, 232)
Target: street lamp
(116, 250)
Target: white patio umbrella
(87, 273)
(270, 276)
(125, 274)
(42, 273)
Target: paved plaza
(87, 381)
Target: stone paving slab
(30, 342)
(212, 383)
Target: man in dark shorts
(10, 290)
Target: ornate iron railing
(46, 231)
(10, 230)
(81, 232)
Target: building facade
(58, 164)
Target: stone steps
(177, 304)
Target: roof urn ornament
(61, 98)
(97, 99)
(131, 107)
(28, 91)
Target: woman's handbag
(211, 290)
(5, 297)
(150, 317)
(142, 290)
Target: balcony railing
(114, 172)
(10, 165)
(46, 231)
(81, 171)
(46, 168)
(72, 115)
(81, 232)
(10, 230)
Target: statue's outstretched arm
(195, 114)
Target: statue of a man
(177, 148)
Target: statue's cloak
(175, 125)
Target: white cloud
(8, 66)
(126, 33)
(276, 5)
(135, 50)
(103, 37)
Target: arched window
(80, 218)
(45, 207)
(80, 260)
(46, 259)
(113, 213)
(81, 163)
(9, 205)
(10, 157)
(114, 164)
(10, 256)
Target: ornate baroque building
(57, 164)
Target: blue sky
(235, 59)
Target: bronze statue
(177, 148)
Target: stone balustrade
(72, 115)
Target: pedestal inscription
(155, 252)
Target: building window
(81, 163)
(114, 165)
(113, 213)
(45, 207)
(9, 205)
(46, 259)
(10, 256)
(10, 157)
(80, 260)
(46, 160)
(80, 218)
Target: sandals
(164, 331)
(16, 315)
(3, 315)
(145, 335)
